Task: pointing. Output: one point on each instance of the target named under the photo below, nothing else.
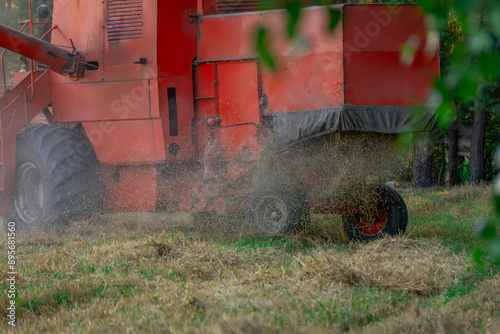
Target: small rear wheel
(389, 216)
(278, 209)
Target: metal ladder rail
(17, 110)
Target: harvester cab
(174, 109)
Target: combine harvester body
(176, 104)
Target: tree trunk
(452, 177)
(478, 141)
(423, 162)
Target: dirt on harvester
(341, 168)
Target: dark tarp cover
(293, 127)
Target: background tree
(453, 160)
(423, 161)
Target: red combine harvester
(164, 104)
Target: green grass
(113, 279)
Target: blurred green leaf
(294, 9)
(460, 52)
(494, 250)
(496, 202)
(333, 18)
(467, 87)
(485, 229)
(478, 255)
(494, 20)
(466, 6)
(445, 115)
(441, 87)
(439, 9)
(430, 6)
(479, 41)
(496, 195)
(262, 46)
(405, 141)
(407, 54)
(489, 64)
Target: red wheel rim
(372, 227)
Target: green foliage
(487, 229)
(294, 9)
(334, 18)
(262, 46)
(469, 51)
(471, 74)
(464, 171)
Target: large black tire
(278, 209)
(392, 219)
(56, 177)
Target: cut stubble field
(151, 273)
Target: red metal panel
(379, 78)
(205, 102)
(204, 109)
(185, 114)
(159, 140)
(85, 24)
(176, 38)
(122, 57)
(210, 7)
(19, 76)
(238, 95)
(383, 27)
(310, 76)
(123, 193)
(233, 36)
(123, 143)
(238, 92)
(204, 81)
(205, 7)
(176, 49)
(154, 97)
(240, 141)
(101, 102)
(374, 73)
(228, 36)
(82, 23)
(311, 82)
